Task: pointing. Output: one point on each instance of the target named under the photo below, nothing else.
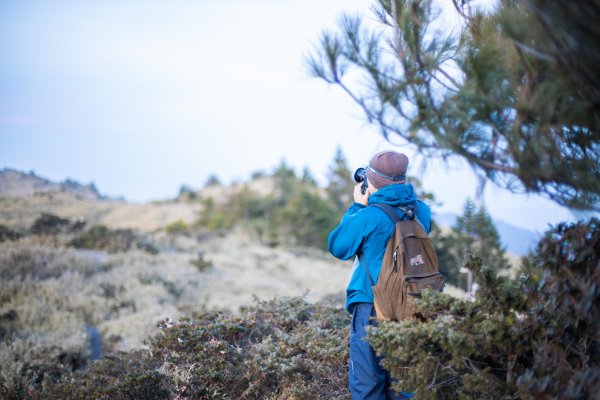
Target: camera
(360, 175)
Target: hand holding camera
(361, 195)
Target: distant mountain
(15, 183)
(517, 241)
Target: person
(363, 233)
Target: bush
(124, 376)
(534, 338)
(214, 218)
(99, 237)
(7, 234)
(283, 348)
(309, 218)
(20, 261)
(50, 224)
(177, 227)
(563, 314)
(295, 215)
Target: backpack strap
(408, 211)
(391, 212)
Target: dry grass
(55, 293)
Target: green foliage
(474, 233)
(21, 262)
(514, 92)
(99, 237)
(212, 180)
(257, 175)
(307, 177)
(309, 217)
(186, 193)
(7, 234)
(214, 218)
(295, 214)
(41, 332)
(285, 182)
(460, 349)
(177, 227)
(50, 224)
(303, 354)
(341, 182)
(283, 348)
(124, 376)
(563, 299)
(534, 338)
(51, 297)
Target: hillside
(24, 196)
(96, 277)
(16, 184)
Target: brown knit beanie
(387, 168)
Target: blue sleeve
(346, 239)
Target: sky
(141, 97)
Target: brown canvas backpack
(409, 265)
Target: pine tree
(212, 180)
(285, 181)
(340, 186)
(473, 234)
(515, 92)
(307, 177)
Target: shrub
(19, 261)
(214, 218)
(309, 218)
(99, 237)
(295, 215)
(7, 234)
(177, 227)
(50, 224)
(124, 376)
(537, 338)
(563, 314)
(304, 357)
(283, 348)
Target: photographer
(363, 233)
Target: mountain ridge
(15, 183)
(87, 202)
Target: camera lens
(359, 175)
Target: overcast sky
(141, 97)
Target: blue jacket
(365, 231)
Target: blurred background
(143, 98)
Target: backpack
(409, 265)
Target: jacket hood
(401, 195)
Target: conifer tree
(473, 234)
(307, 177)
(340, 185)
(515, 92)
(212, 180)
(285, 181)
